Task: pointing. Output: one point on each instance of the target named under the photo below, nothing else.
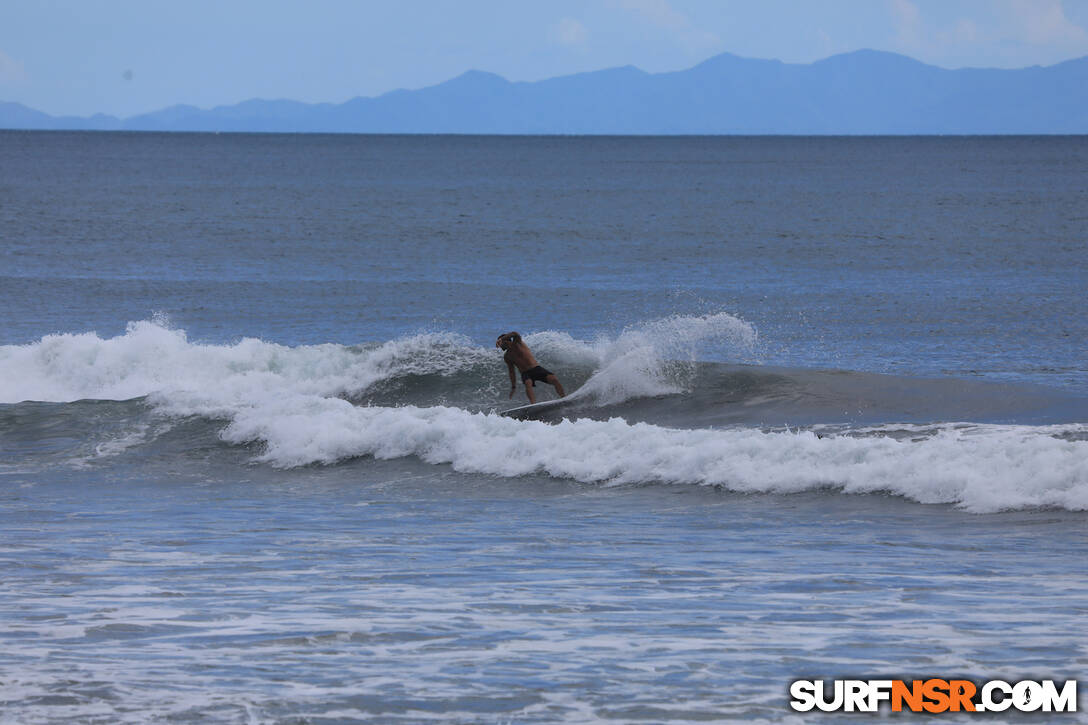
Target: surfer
(517, 354)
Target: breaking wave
(645, 411)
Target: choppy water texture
(830, 419)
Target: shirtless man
(518, 354)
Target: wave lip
(151, 359)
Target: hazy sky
(128, 56)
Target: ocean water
(829, 418)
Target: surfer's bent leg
(529, 390)
(552, 380)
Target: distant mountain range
(864, 92)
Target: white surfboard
(526, 412)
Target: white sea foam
(284, 398)
(981, 468)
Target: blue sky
(129, 56)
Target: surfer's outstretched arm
(513, 379)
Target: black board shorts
(537, 373)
